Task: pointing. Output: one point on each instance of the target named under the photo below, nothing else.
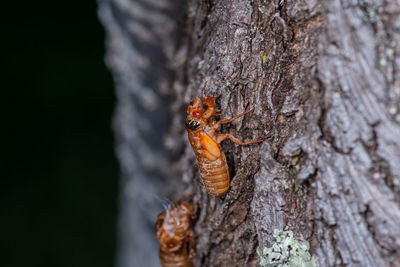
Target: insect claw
(204, 86)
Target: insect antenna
(165, 202)
(203, 88)
(169, 202)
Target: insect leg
(235, 118)
(210, 110)
(209, 101)
(208, 113)
(221, 137)
(191, 244)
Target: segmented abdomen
(175, 259)
(214, 173)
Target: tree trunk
(323, 78)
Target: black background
(59, 173)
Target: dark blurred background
(59, 175)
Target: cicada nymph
(173, 231)
(202, 128)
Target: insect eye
(192, 125)
(196, 113)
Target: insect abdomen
(175, 260)
(215, 174)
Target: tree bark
(323, 78)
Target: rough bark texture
(323, 77)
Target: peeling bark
(323, 78)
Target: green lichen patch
(286, 252)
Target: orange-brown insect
(175, 236)
(201, 126)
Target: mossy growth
(286, 252)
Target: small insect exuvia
(175, 235)
(202, 128)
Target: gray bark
(141, 39)
(323, 77)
